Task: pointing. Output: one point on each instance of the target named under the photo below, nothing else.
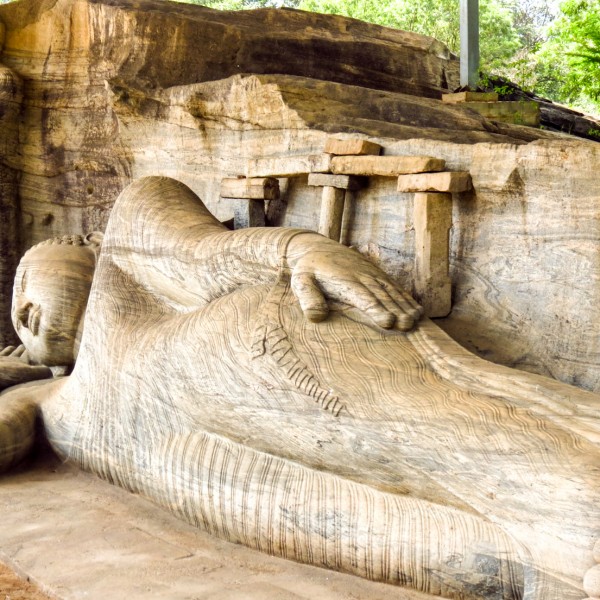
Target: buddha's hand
(324, 270)
(14, 368)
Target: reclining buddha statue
(276, 389)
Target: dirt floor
(12, 587)
(117, 545)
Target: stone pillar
(433, 220)
(469, 43)
(333, 200)
(332, 212)
(249, 195)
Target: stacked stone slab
(433, 188)
(520, 112)
(249, 195)
(344, 168)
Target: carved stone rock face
(51, 290)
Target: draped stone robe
(398, 457)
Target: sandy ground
(77, 537)
(13, 587)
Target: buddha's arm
(17, 427)
(19, 408)
(163, 236)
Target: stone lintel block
(256, 188)
(461, 97)
(319, 163)
(352, 146)
(343, 182)
(446, 181)
(289, 166)
(385, 166)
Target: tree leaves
(525, 41)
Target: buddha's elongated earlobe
(94, 238)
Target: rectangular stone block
(517, 113)
(447, 181)
(386, 166)
(344, 182)
(461, 97)
(352, 146)
(260, 188)
(289, 166)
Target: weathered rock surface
(117, 90)
(11, 96)
(552, 116)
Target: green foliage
(560, 54)
(523, 41)
(575, 41)
(437, 18)
(371, 11)
(243, 4)
(502, 90)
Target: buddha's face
(51, 290)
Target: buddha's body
(201, 383)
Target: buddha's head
(51, 290)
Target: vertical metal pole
(469, 43)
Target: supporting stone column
(333, 200)
(249, 196)
(332, 212)
(248, 213)
(433, 220)
(469, 43)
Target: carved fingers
(13, 352)
(15, 367)
(311, 299)
(376, 297)
(323, 271)
(393, 306)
